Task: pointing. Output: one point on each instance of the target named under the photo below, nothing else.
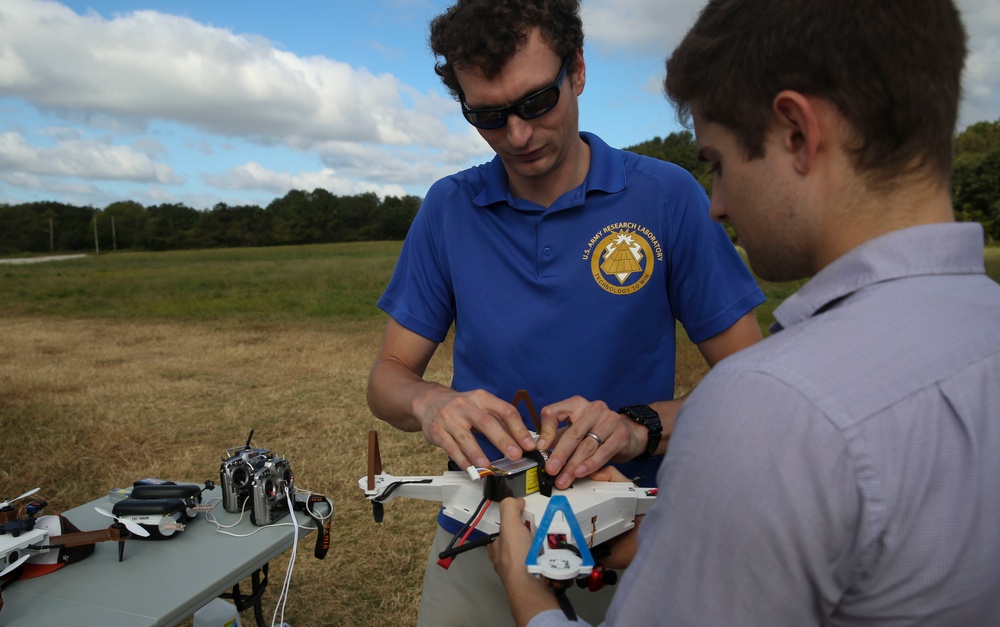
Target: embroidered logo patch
(622, 257)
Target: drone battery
(511, 478)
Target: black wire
(572, 548)
(468, 546)
(467, 523)
(392, 487)
(564, 604)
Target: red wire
(482, 512)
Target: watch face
(644, 411)
(640, 412)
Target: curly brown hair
(892, 68)
(485, 34)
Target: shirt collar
(933, 249)
(606, 173)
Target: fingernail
(513, 452)
(539, 444)
(562, 482)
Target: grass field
(136, 365)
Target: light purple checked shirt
(846, 470)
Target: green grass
(332, 282)
(278, 284)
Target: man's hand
(528, 595)
(448, 419)
(576, 453)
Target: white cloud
(655, 27)
(253, 176)
(148, 65)
(116, 99)
(84, 159)
(650, 27)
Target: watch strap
(649, 418)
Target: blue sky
(240, 101)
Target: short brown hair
(891, 67)
(485, 34)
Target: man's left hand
(577, 453)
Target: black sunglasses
(529, 108)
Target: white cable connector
(473, 472)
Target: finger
(571, 439)
(444, 440)
(551, 416)
(548, 434)
(588, 457)
(502, 424)
(468, 451)
(611, 435)
(608, 473)
(506, 548)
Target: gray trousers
(469, 593)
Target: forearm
(394, 391)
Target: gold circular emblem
(622, 263)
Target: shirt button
(547, 250)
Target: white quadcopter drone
(567, 524)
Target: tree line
(299, 217)
(302, 217)
(975, 171)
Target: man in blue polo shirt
(846, 470)
(564, 265)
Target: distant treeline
(297, 218)
(316, 217)
(975, 171)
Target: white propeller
(24, 558)
(18, 498)
(133, 527)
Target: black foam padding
(139, 507)
(179, 491)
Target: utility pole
(97, 246)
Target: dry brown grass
(86, 405)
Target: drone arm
(426, 488)
(111, 534)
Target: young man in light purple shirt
(846, 470)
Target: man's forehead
(517, 79)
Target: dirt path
(22, 260)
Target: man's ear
(579, 73)
(798, 125)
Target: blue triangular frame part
(559, 503)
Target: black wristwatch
(647, 417)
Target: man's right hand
(449, 419)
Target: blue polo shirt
(579, 298)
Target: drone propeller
(18, 498)
(374, 468)
(133, 527)
(12, 567)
